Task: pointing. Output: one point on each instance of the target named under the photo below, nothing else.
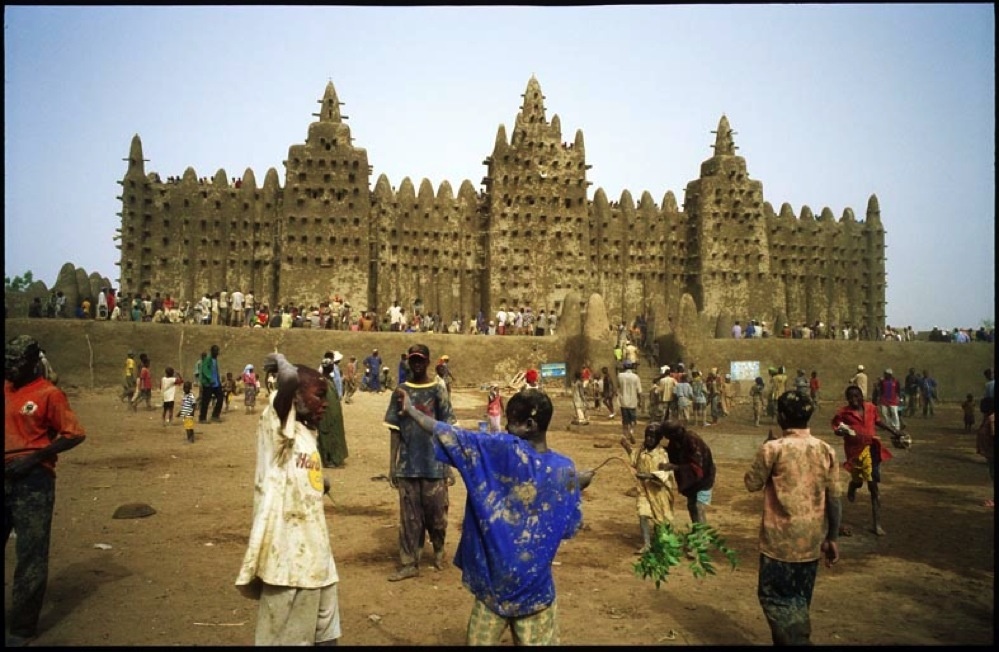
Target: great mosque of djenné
(529, 235)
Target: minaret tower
(327, 206)
(536, 211)
(727, 256)
(874, 281)
(136, 218)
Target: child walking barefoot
(168, 389)
(759, 402)
(968, 408)
(228, 388)
(656, 488)
(187, 411)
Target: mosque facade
(529, 234)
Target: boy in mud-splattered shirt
(421, 480)
(523, 500)
(799, 477)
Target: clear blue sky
(830, 104)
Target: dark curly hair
(530, 403)
(794, 409)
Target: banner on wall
(745, 370)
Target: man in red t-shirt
(38, 425)
(857, 423)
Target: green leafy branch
(668, 549)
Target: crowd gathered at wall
(224, 308)
(240, 309)
(848, 331)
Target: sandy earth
(167, 579)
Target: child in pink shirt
(494, 409)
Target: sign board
(745, 370)
(553, 370)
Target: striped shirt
(187, 406)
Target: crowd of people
(236, 308)
(289, 566)
(819, 330)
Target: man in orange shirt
(38, 425)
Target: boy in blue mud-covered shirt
(523, 500)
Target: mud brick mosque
(529, 234)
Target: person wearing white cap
(337, 373)
(251, 387)
(860, 380)
(385, 379)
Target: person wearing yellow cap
(443, 369)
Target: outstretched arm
(287, 383)
(424, 421)
(406, 408)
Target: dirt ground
(167, 579)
